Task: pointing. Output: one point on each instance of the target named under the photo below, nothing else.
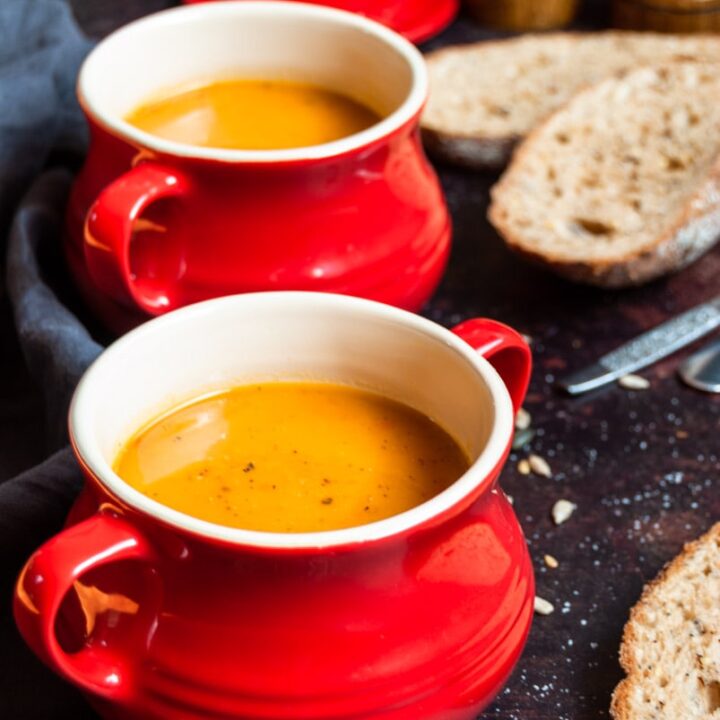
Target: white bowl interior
(276, 40)
(289, 336)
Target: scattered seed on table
(539, 466)
(524, 467)
(550, 561)
(522, 419)
(634, 382)
(522, 438)
(543, 607)
(510, 499)
(562, 510)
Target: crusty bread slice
(671, 646)
(622, 184)
(486, 96)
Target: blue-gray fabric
(42, 138)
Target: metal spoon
(647, 348)
(702, 369)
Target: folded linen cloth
(41, 127)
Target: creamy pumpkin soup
(292, 457)
(253, 115)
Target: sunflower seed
(543, 607)
(522, 438)
(522, 419)
(550, 561)
(634, 382)
(524, 467)
(539, 466)
(562, 510)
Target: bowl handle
(52, 572)
(109, 228)
(505, 349)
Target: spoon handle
(647, 348)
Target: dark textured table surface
(642, 467)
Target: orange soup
(253, 115)
(292, 457)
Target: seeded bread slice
(671, 646)
(486, 96)
(621, 185)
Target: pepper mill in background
(523, 14)
(675, 16)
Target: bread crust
(691, 235)
(693, 231)
(472, 151)
(620, 706)
(491, 154)
(495, 152)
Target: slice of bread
(671, 646)
(486, 96)
(622, 184)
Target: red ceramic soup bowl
(417, 20)
(159, 615)
(154, 225)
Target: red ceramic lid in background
(417, 20)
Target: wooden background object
(523, 14)
(673, 16)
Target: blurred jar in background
(523, 14)
(676, 16)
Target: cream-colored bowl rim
(411, 106)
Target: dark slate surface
(641, 466)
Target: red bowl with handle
(157, 615)
(417, 20)
(154, 225)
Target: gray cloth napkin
(41, 131)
